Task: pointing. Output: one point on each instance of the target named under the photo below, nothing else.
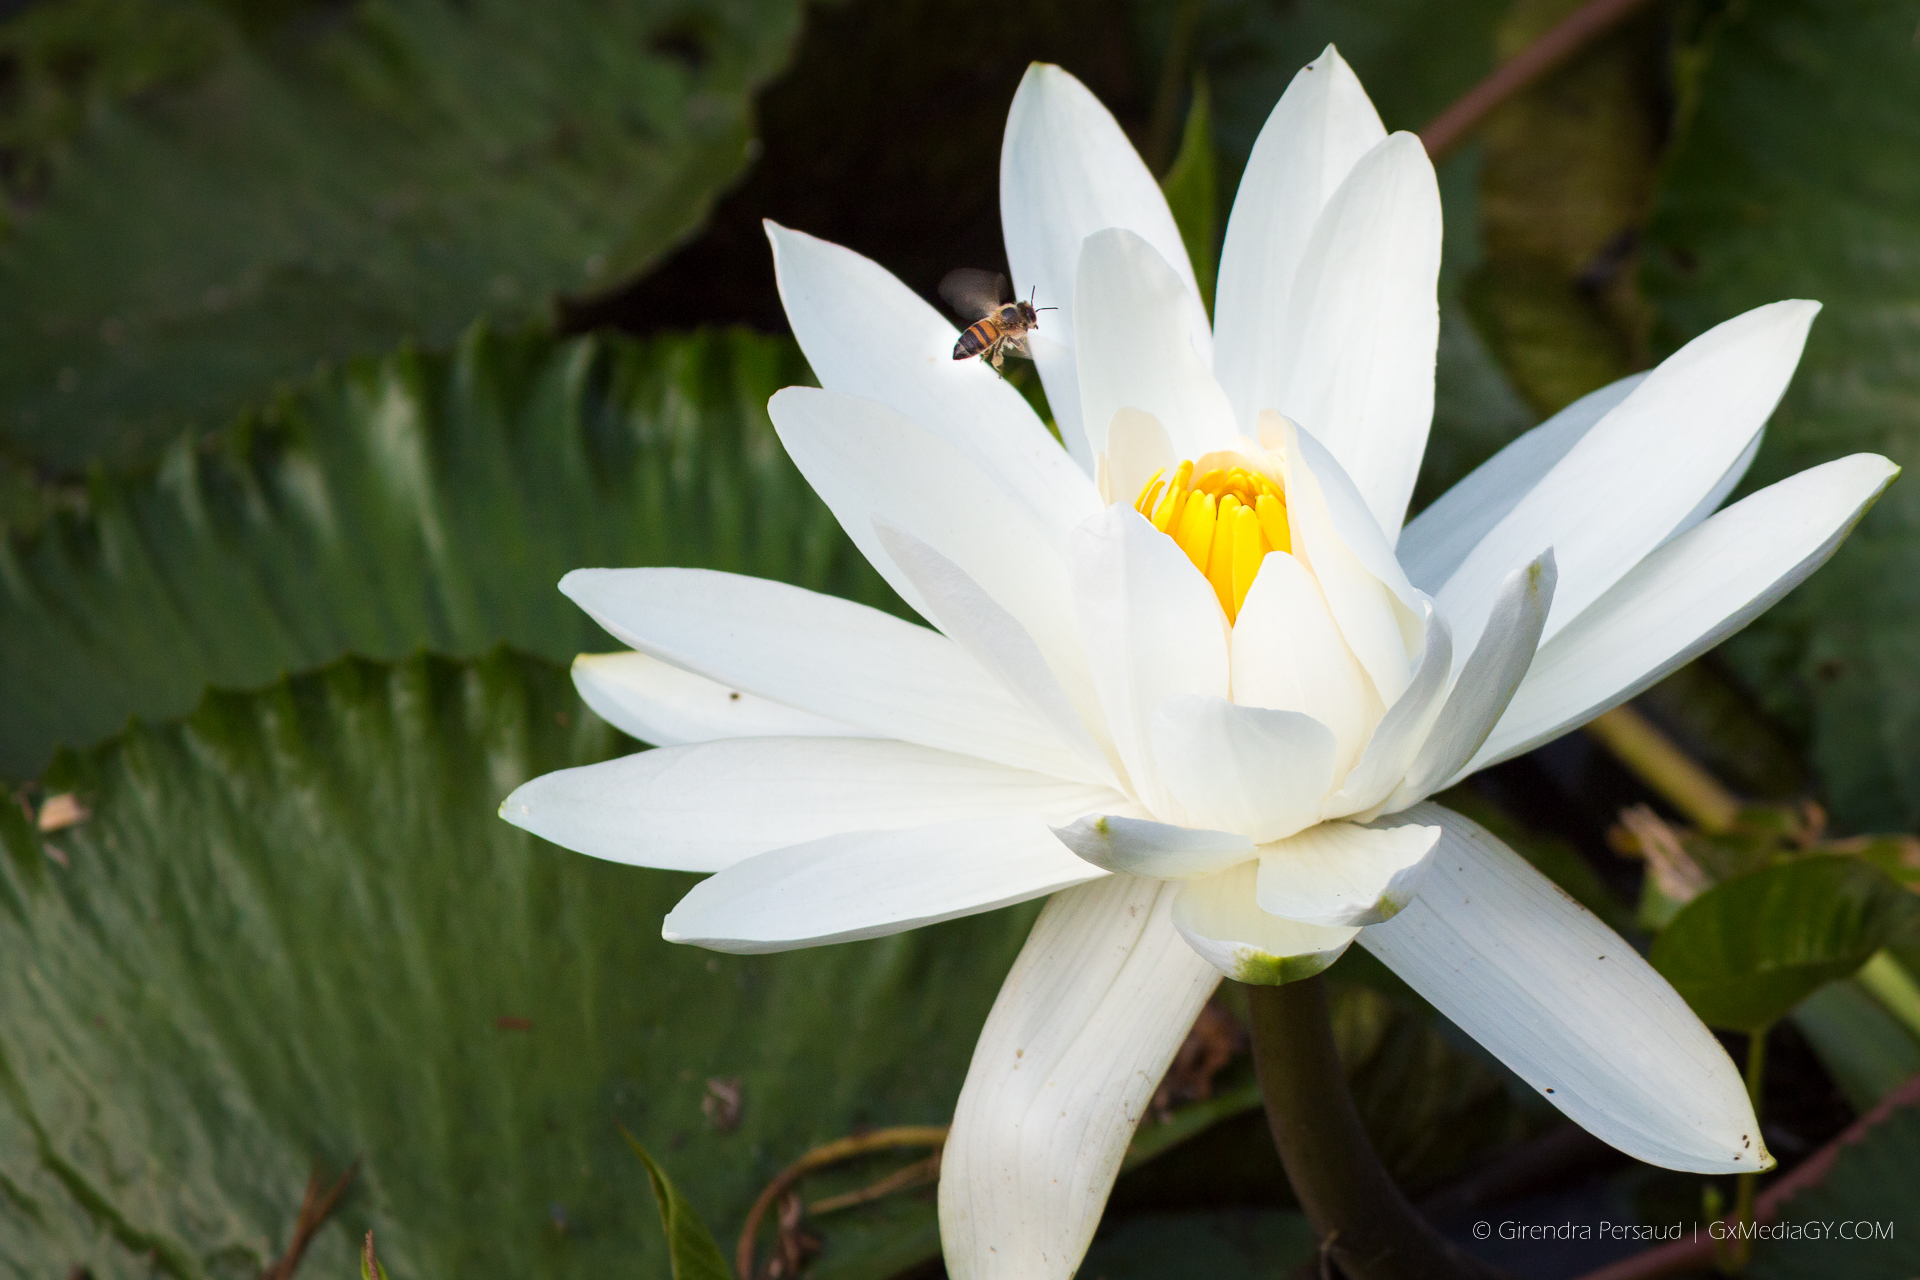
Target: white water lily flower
(1189, 675)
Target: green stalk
(1362, 1221)
(1740, 1248)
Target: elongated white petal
(1339, 874)
(1087, 1023)
(1363, 323)
(1567, 1004)
(659, 703)
(1486, 684)
(1157, 849)
(868, 884)
(996, 640)
(1067, 171)
(1435, 542)
(1377, 610)
(1635, 476)
(1685, 598)
(1135, 347)
(707, 806)
(868, 335)
(1318, 131)
(1724, 486)
(1153, 629)
(873, 466)
(1060, 377)
(1259, 772)
(1137, 447)
(1221, 920)
(831, 657)
(1288, 655)
(1400, 733)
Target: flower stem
(1587, 23)
(1363, 1222)
(1741, 1249)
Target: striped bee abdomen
(980, 335)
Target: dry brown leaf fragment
(58, 812)
(722, 1103)
(1217, 1038)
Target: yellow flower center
(1226, 520)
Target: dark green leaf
(1797, 175)
(417, 501)
(1858, 1220)
(205, 201)
(1222, 1244)
(294, 930)
(690, 1247)
(1193, 193)
(1863, 1048)
(1747, 951)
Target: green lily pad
(206, 199)
(1857, 1220)
(419, 501)
(292, 930)
(1796, 174)
(1748, 950)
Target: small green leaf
(690, 1247)
(1746, 952)
(1193, 192)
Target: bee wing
(973, 293)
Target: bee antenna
(1044, 308)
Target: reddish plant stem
(1691, 1255)
(1586, 24)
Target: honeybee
(1001, 322)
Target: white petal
(996, 640)
(1363, 324)
(1096, 1006)
(1435, 542)
(1259, 772)
(828, 656)
(868, 335)
(1400, 733)
(1339, 874)
(1153, 629)
(1637, 474)
(1333, 533)
(1155, 849)
(868, 884)
(870, 464)
(707, 806)
(1067, 171)
(1568, 1005)
(1486, 684)
(1318, 131)
(1685, 598)
(1220, 919)
(1724, 486)
(1135, 347)
(659, 703)
(1288, 655)
(1137, 447)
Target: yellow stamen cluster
(1225, 520)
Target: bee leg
(999, 357)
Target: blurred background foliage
(336, 331)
